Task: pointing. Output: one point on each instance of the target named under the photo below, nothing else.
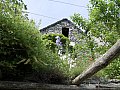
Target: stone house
(65, 27)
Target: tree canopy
(102, 29)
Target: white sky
(55, 10)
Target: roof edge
(64, 19)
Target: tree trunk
(99, 63)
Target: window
(65, 31)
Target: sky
(50, 11)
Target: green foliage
(12, 8)
(102, 28)
(20, 41)
(80, 21)
(105, 19)
(81, 65)
(83, 57)
(113, 70)
(51, 41)
(14, 39)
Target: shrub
(51, 41)
(112, 70)
(21, 42)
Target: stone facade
(65, 27)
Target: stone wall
(57, 28)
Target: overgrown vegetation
(50, 41)
(102, 31)
(22, 49)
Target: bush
(21, 42)
(51, 41)
(22, 49)
(112, 70)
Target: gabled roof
(64, 19)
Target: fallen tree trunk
(99, 63)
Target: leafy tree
(103, 27)
(105, 18)
(12, 8)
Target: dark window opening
(65, 32)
